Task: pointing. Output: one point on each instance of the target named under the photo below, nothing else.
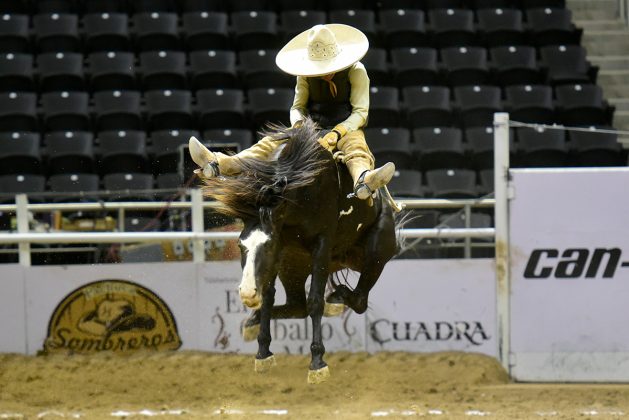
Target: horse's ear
(272, 218)
(198, 152)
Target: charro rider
(332, 88)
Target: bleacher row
(115, 87)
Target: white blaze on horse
(296, 225)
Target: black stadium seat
(56, 32)
(113, 70)
(428, 106)
(66, 111)
(20, 153)
(390, 145)
(16, 72)
(169, 109)
(70, 152)
(14, 33)
(155, 31)
(439, 148)
(18, 111)
(403, 28)
(221, 108)
(117, 110)
(123, 151)
(10, 185)
(74, 187)
(163, 70)
(106, 32)
(59, 71)
(204, 30)
(415, 66)
(501, 27)
(515, 65)
(465, 65)
(255, 30)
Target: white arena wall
(416, 306)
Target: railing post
(21, 213)
(501, 220)
(467, 249)
(198, 246)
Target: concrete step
(601, 25)
(593, 9)
(606, 42)
(614, 91)
(615, 78)
(621, 123)
(621, 104)
(610, 62)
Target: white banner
(222, 314)
(434, 305)
(12, 313)
(569, 235)
(119, 307)
(417, 305)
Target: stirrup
(361, 189)
(213, 169)
(382, 176)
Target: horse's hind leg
(264, 358)
(380, 247)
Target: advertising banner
(115, 307)
(416, 306)
(434, 305)
(12, 313)
(222, 315)
(569, 235)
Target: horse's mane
(264, 183)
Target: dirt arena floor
(195, 385)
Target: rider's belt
(328, 115)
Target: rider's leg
(360, 163)
(230, 165)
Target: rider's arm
(359, 97)
(298, 110)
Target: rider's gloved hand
(329, 140)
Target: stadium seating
(79, 77)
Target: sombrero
(322, 50)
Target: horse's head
(260, 194)
(259, 250)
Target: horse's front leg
(319, 371)
(265, 358)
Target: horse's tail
(401, 219)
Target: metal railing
(23, 238)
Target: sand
(191, 385)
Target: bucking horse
(301, 219)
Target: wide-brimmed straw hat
(322, 50)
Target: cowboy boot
(360, 163)
(204, 157)
(371, 180)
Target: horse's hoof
(250, 333)
(333, 309)
(318, 376)
(264, 365)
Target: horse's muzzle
(250, 298)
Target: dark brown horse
(301, 220)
